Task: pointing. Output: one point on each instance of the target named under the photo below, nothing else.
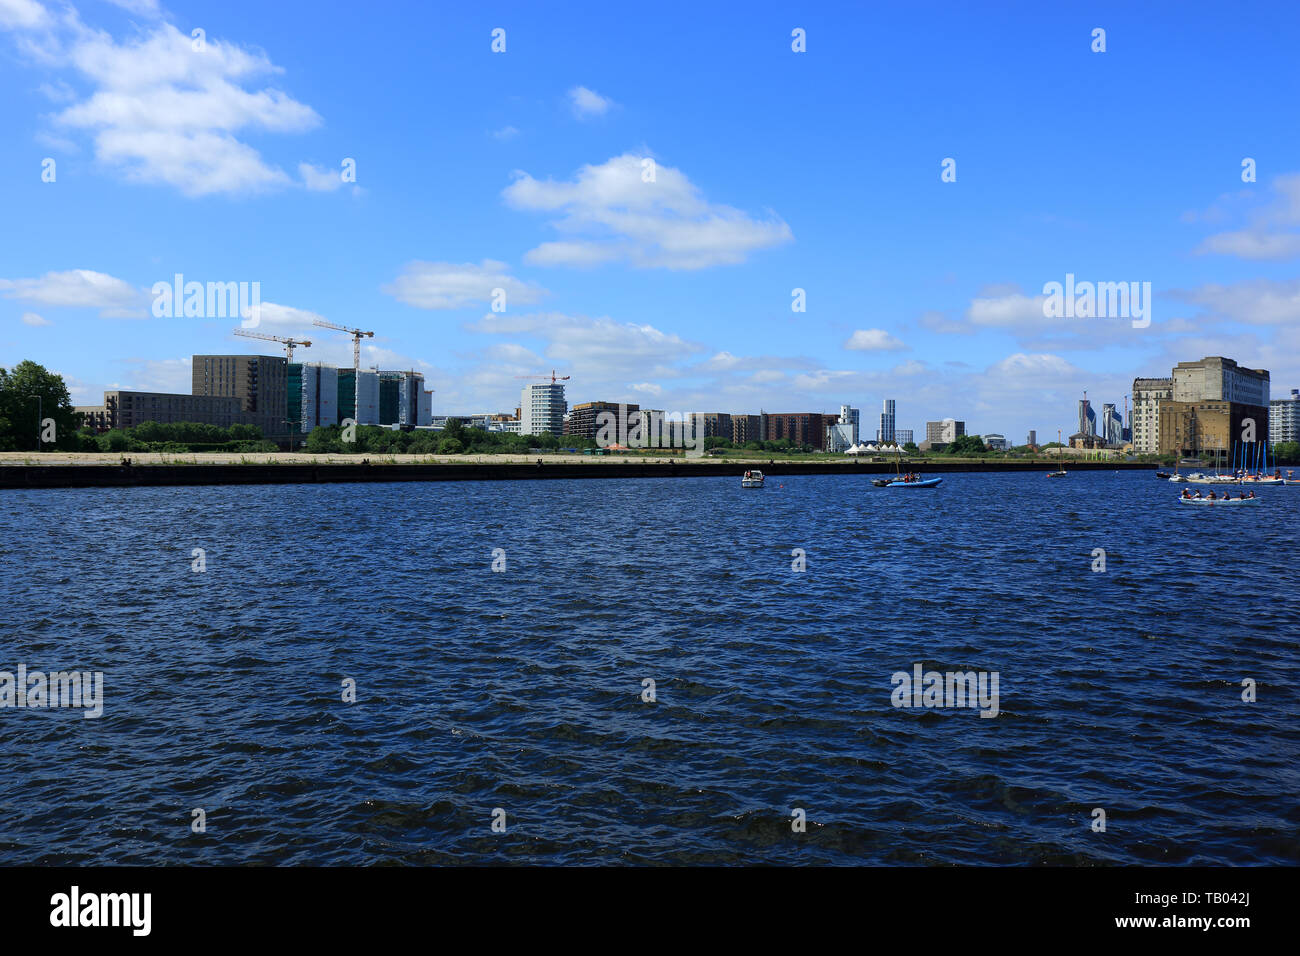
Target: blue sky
(774, 170)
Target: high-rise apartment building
(1148, 393)
(717, 425)
(852, 417)
(541, 409)
(312, 396)
(802, 429)
(366, 411)
(260, 382)
(1284, 418)
(747, 428)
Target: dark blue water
(521, 690)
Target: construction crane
(357, 335)
(289, 344)
(554, 379)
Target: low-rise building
(124, 408)
(939, 435)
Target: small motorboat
(752, 479)
(1057, 474)
(917, 482)
(1162, 474)
(1176, 477)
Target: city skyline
(526, 176)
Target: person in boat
(1213, 496)
(1252, 494)
(1187, 493)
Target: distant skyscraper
(1087, 418)
(1112, 426)
(886, 430)
(1033, 437)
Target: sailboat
(1060, 470)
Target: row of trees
(177, 437)
(454, 439)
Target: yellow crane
(288, 343)
(357, 336)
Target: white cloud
(587, 103)
(1009, 311)
(1272, 234)
(505, 133)
(1250, 244)
(144, 8)
(1252, 302)
(616, 215)
(159, 375)
(80, 288)
(31, 318)
(448, 285)
(320, 180)
(161, 112)
(1033, 369)
(285, 318)
(619, 350)
(23, 14)
(873, 340)
(648, 388)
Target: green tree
(450, 446)
(455, 428)
(324, 440)
(1287, 452)
(966, 445)
(911, 448)
(29, 394)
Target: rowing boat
(1220, 501)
